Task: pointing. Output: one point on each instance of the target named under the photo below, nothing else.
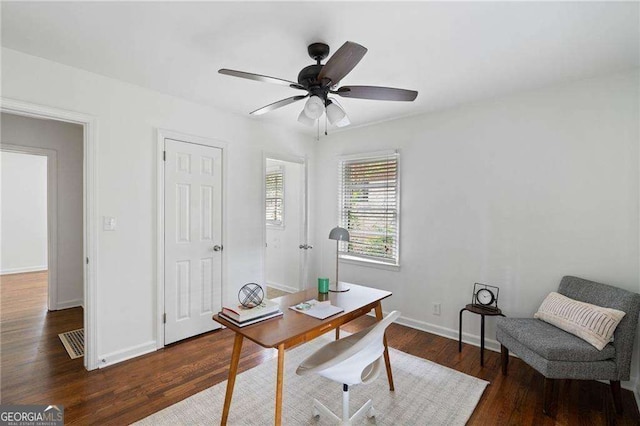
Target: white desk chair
(352, 360)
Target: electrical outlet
(436, 308)
(109, 223)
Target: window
(274, 199)
(369, 206)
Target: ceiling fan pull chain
(325, 124)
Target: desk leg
(279, 384)
(387, 362)
(481, 340)
(233, 370)
(338, 333)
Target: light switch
(109, 223)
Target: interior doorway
(43, 298)
(286, 246)
(24, 229)
(193, 246)
(29, 216)
(190, 178)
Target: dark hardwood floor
(35, 369)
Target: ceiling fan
(321, 81)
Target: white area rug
(426, 394)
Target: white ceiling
(451, 52)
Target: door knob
(217, 248)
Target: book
(242, 313)
(316, 309)
(251, 321)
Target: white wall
(127, 119)
(514, 192)
(66, 140)
(282, 251)
(23, 201)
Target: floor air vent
(73, 342)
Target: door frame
(305, 206)
(90, 209)
(163, 134)
(52, 215)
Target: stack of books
(242, 316)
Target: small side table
(482, 312)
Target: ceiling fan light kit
(335, 114)
(314, 107)
(343, 123)
(321, 80)
(304, 119)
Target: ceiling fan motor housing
(308, 77)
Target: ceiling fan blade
(342, 62)
(259, 77)
(377, 93)
(279, 104)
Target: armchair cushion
(592, 323)
(550, 342)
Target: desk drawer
(355, 314)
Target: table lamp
(338, 234)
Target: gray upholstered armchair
(557, 354)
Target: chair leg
(319, 409)
(504, 357)
(345, 403)
(617, 395)
(549, 398)
(366, 409)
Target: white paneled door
(193, 238)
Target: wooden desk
(294, 328)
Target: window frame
(360, 259)
(269, 222)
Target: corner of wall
(449, 333)
(69, 304)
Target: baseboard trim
(633, 385)
(125, 354)
(283, 287)
(69, 304)
(449, 333)
(24, 270)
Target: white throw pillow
(592, 323)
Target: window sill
(369, 263)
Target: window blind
(274, 196)
(369, 207)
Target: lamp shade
(314, 107)
(302, 118)
(339, 234)
(334, 113)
